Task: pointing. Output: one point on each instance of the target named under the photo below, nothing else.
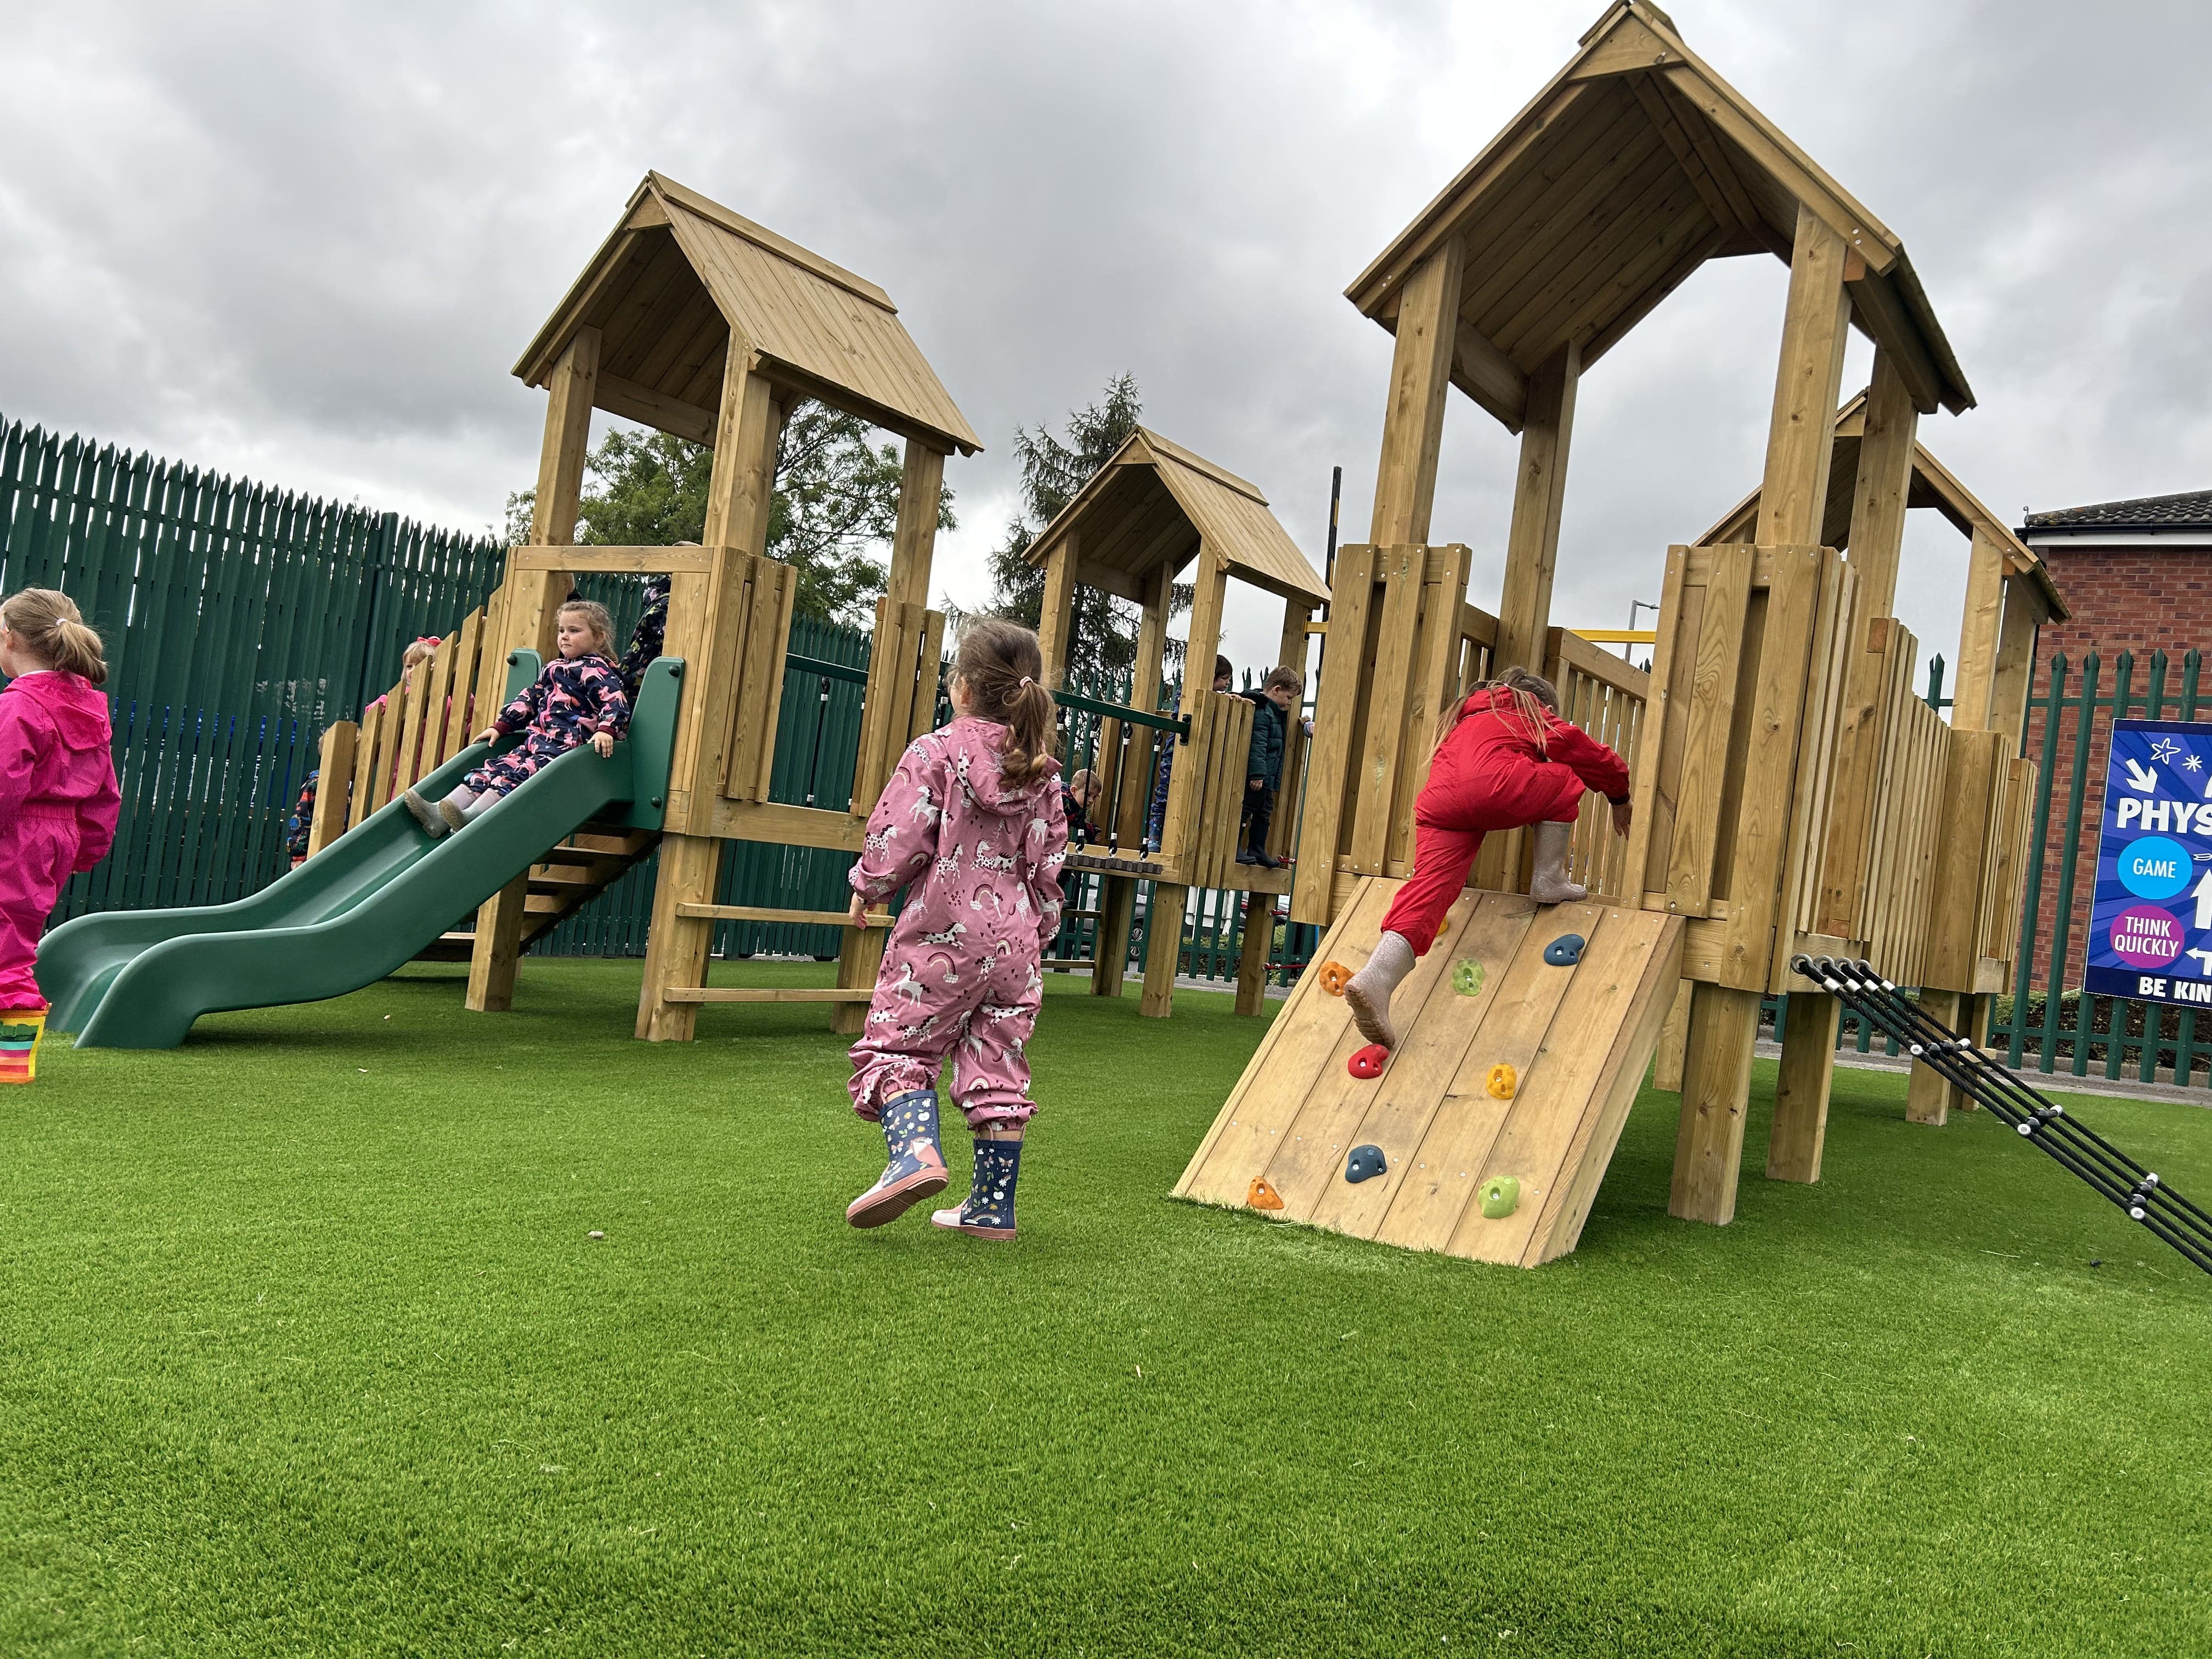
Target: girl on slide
(973, 817)
(1505, 761)
(579, 698)
(58, 801)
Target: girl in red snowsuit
(58, 795)
(1506, 761)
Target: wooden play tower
(694, 321)
(1788, 797)
(1153, 512)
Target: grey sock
(1392, 960)
(1370, 990)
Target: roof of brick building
(2191, 510)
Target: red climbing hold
(1369, 1062)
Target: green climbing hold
(1467, 976)
(1501, 1196)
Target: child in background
(1505, 761)
(973, 815)
(1271, 729)
(1077, 797)
(300, 828)
(1156, 817)
(579, 696)
(58, 799)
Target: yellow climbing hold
(1502, 1080)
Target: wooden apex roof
(681, 275)
(1152, 505)
(1933, 485)
(1632, 168)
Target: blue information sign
(2150, 927)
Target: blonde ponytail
(1004, 669)
(51, 629)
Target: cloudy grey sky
(307, 243)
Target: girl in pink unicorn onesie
(973, 819)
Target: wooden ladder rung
(766, 913)
(748, 993)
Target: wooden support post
(1532, 544)
(1928, 1097)
(533, 606)
(1879, 500)
(1056, 614)
(1117, 904)
(738, 493)
(1883, 488)
(676, 948)
(1800, 1093)
(1163, 947)
(1186, 789)
(1793, 502)
(1801, 437)
(1252, 959)
(1674, 1041)
(1420, 375)
(858, 962)
(1974, 686)
(1715, 1089)
(914, 541)
(2023, 615)
(498, 949)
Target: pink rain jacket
(57, 808)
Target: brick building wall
(2140, 598)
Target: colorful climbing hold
(1500, 1196)
(1503, 1079)
(1335, 976)
(1565, 951)
(1367, 1064)
(1261, 1196)
(1364, 1163)
(1467, 976)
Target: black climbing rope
(2035, 1116)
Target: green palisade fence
(240, 619)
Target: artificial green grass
(303, 1349)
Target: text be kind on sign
(2150, 925)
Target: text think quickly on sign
(2150, 930)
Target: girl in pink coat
(57, 796)
(973, 819)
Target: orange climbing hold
(1335, 976)
(1502, 1080)
(1261, 1196)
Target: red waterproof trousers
(1488, 774)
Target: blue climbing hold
(1565, 951)
(1365, 1162)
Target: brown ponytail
(1532, 695)
(1004, 670)
(48, 624)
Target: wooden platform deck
(1577, 1038)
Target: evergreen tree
(836, 498)
(1053, 469)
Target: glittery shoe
(917, 1168)
(990, 1210)
(425, 813)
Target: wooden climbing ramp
(1576, 1038)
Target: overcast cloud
(308, 243)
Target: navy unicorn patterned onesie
(574, 698)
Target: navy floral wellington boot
(917, 1168)
(990, 1210)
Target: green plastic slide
(370, 900)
